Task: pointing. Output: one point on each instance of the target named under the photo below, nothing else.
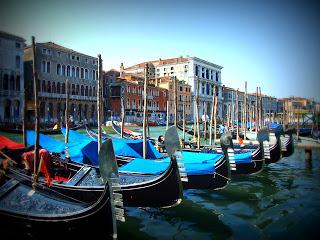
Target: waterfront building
(187, 69)
(130, 88)
(55, 64)
(184, 97)
(269, 104)
(11, 78)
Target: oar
(172, 144)
(110, 175)
(7, 157)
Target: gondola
(43, 131)
(248, 159)
(94, 135)
(82, 182)
(275, 150)
(205, 171)
(128, 134)
(218, 135)
(47, 213)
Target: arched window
(73, 72)
(82, 73)
(42, 109)
(63, 88)
(86, 91)
(197, 70)
(68, 71)
(82, 90)
(11, 83)
(43, 86)
(49, 87)
(73, 89)
(78, 72)
(90, 91)
(53, 87)
(86, 74)
(58, 87)
(58, 69)
(63, 70)
(5, 81)
(18, 83)
(94, 91)
(77, 90)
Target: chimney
(121, 70)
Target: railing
(61, 95)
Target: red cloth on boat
(9, 144)
(45, 165)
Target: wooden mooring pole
(245, 110)
(36, 113)
(167, 123)
(197, 112)
(145, 109)
(237, 113)
(175, 90)
(212, 115)
(99, 101)
(122, 116)
(66, 117)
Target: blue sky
(271, 44)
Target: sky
(271, 44)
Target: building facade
(55, 64)
(11, 78)
(190, 70)
(129, 87)
(184, 98)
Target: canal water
(281, 202)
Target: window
(59, 54)
(63, 70)
(197, 70)
(208, 89)
(93, 75)
(18, 83)
(171, 68)
(58, 69)
(44, 50)
(73, 72)
(5, 81)
(82, 73)
(78, 59)
(217, 76)
(158, 70)
(164, 69)
(18, 45)
(72, 57)
(68, 71)
(86, 60)
(78, 72)
(43, 66)
(203, 88)
(17, 61)
(203, 72)
(48, 67)
(86, 74)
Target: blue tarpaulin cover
(122, 147)
(276, 127)
(48, 143)
(243, 157)
(195, 164)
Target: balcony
(72, 97)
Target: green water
(281, 202)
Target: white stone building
(11, 77)
(188, 69)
